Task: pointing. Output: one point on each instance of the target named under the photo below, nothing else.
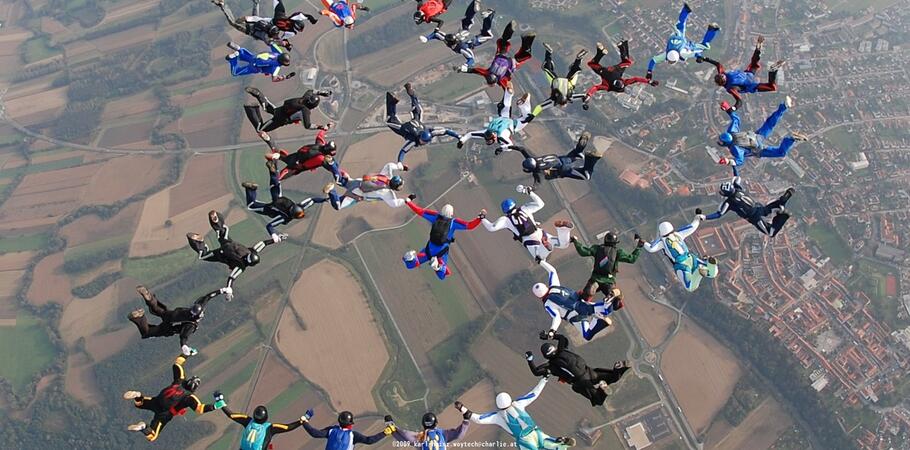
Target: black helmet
(253, 258)
(492, 78)
(309, 101)
(345, 419)
(559, 97)
(619, 85)
(396, 182)
(196, 310)
(450, 39)
(284, 59)
(297, 212)
(489, 136)
(297, 24)
(418, 17)
(529, 164)
(328, 148)
(429, 420)
(273, 31)
(260, 414)
(548, 350)
(611, 238)
(192, 383)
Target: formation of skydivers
(580, 308)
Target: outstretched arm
(539, 371)
(536, 203)
(454, 434)
(406, 436)
(241, 419)
(717, 65)
(687, 230)
(523, 150)
(427, 214)
(177, 369)
(278, 428)
(501, 223)
(562, 342)
(583, 250)
(721, 210)
(368, 440)
(554, 313)
(315, 432)
(655, 246)
(527, 399)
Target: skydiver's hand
(276, 238)
(290, 75)
(701, 217)
(529, 356)
(699, 59)
(286, 44)
(573, 239)
(724, 105)
(585, 106)
(460, 406)
(649, 75)
(324, 93)
(497, 151)
(654, 83)
(405, 167)
(412, 197)
(307, 416)
(227, 290)
(188, 351)
(460, 144)
(698, 211)
(482, 214)
(760, 40)
(219, 400)
(522, 189)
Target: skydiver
(606, 264)
(678, 47)
(342, 13)
(431, 438)
(308, 157)
(257, 430)
(342, 436)
(503, 65)
(689, 267)
(578, 164)
(737, 200)
(611, 78)
(430, 10)
(562, 303)
(462, 42)
(281, 210)
(499, 131)
(279, 28)
(743, 144)
(293, 110)
(571, 368)
(267, 63)
(414, 132)
(237, 257)
(172, 401)
(181, 321)
(562, 89)
(520, 221)
(373, 187)
(738, 82)
(512, 417)
(444, 224)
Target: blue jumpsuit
(679, 42)
(265, 63)
(746, 144)
(439, 250)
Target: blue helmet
(507, 205)
(395, 182)
(725, 139)
(727, 189)
(529, 164)
(426, 136)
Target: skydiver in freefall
(180, 321)
(461, 42)
(736, 199)
(525, 229)
(414, 132)
(292, 110)
(690, 268)
(500, 130)
(369, 188)
(279, 28)
(429, 11)
(342, 13)
(308, 157)
(281, 210)
(744, 144)
(443, 227)
(578, 164)
(504, 65)
(257, 430)
(171, 402)
(243, 62)
(738, 82)
(343, 436)
(606, 265)
(611, 78)
(562, 89)
(679, 48)
(592, 383)
(232, 254)
(512, 416)
(562, 303)
(431, 437)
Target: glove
(529, 356)
(290, 75)
(640, 243)
(697, 210)
(701, 217)
(460, 144)
(423, 39)
(227, 291)
(699, 59)
(276, 238)
(405, 167)
(497, 151)
(307, 415)
(482, 214)
(460, 407)
(545, 335)
(573, 239)
(724, 105)
(219, 400)
(649, 75)
(522, 189)
(286, 44)
(585, 106)
(325, 93)
(412, 197)
(188, 351)
(654, 83)
(389, 429)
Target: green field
(239, 379)
(830, 242)
(251, 167)
(25, 350)
(289, 396)
(225, 104)
(224, 360)
(96, 248)
(25, 242)
(845, 139)
(155, 269)
(852, 7)
(224, 443)
(36, 49)
(869, 277)
(42, 167)
(453, 87)
(629, 394)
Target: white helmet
(349, 21)
(540, 290)
(447, 211)
(503, 400)
(672, 56)
(664, 229)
